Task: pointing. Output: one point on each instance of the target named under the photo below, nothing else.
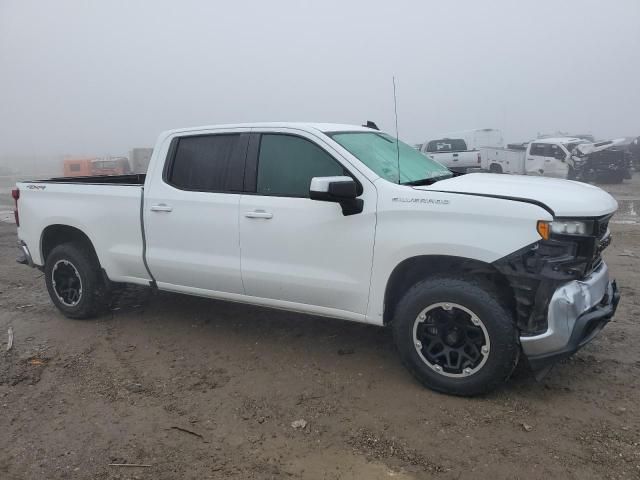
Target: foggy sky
(105, 76)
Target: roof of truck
(322, 127)
(558, 140)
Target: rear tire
(472, 334)
(74, 281)
(495, 168)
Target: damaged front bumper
(577, 311)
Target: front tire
(455, 336)
(74, 282)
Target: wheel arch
(495, 168)
(414, 269)
(57, 234)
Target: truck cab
(549, 157)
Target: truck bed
(107, 209)
(503, 160)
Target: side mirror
(342, 190)
(560, 155)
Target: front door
(547, 159)
(191, 214)
(300, 250)
(556, 161)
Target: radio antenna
(395, 109)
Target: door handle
(161, 208)
(259, 214)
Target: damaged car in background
(472, 273)
(562, 157)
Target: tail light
(479, 157)
(15, 193)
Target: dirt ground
(199, 389)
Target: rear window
(447, 145)
(208, 163)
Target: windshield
(571, 146)
(379, 152)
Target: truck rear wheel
(455, 337)
(75, 284)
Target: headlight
(570, 227)
(564, 227)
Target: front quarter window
(382, 154)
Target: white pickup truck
(453, 153)
(561, 157)
(468, 271)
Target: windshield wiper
(428, 181)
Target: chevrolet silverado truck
(471, 272)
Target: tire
(468, 301)
(495, 168)
(73, 267)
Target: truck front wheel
(455, 336)
(74, 282)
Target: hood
(588, 148)
(565, 198)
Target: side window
(286, 165)
(434, 146)
(537, 149)
(208, 163)
(555, 151)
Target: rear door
(535, 163)
(296, 249)
(191, 214)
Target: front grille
(603, 226)
(602, 241)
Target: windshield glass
(378, 151)
(571, 146)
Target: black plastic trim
(537, 270)
(251, 164)
(133, 179)
(152, 282)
